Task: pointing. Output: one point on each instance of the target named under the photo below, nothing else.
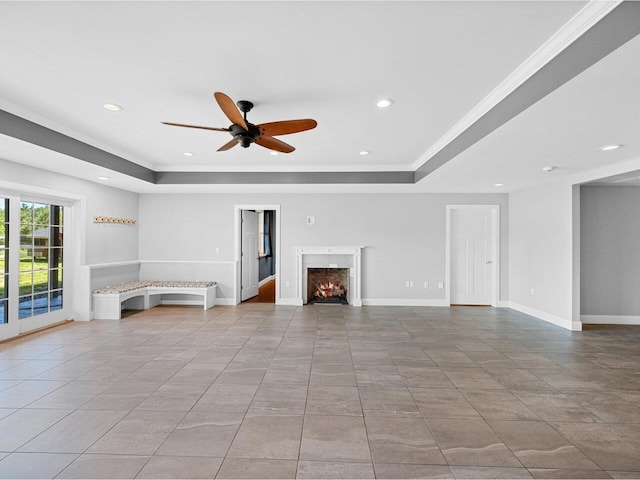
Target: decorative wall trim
(610, 319)
(547, 317)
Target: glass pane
(26, 213)
(40, 303)
(4, 219)
(4, 210)
(55, 277)
(25, 283)
(40, 214)
(55, 301)
(41, 262)
(4, 311)
(4, 260)
(3, 283)
(26, 260)
(56, 257)
(25, 306)
(41, 281)
(56, 237)
(56, 215)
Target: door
(472, 233)
(249, 256)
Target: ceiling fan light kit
(245, 133)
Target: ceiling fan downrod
(242, 136)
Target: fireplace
(329, 259)
(328, 285)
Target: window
(40, 270)
(4, 260)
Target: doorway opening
(257, 253)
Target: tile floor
(259, 391)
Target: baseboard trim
(266, 280)
(287, 301)
(403, 302)
(227, 302)
(611, 319)
(547, 317)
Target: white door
(472, 255)
(250, 259)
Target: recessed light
(112, 107)
(548, 169)
(102, 177)
(499, 184)
(384, 103)
(364, 152)
(188, 154)
(275, 153)
(608, 148)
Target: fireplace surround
(347, 258)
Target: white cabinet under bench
(142, 295)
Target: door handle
(488, 261)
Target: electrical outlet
(406, 284)
(412, 284)
(311, 220)
(426, 284)
(217, 249)
(440, 284)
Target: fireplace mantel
(330, 256)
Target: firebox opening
(328, 285)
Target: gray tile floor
(259, 391)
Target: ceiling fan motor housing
(244, 137)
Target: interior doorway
(257, 255)
(472, 254)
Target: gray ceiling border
(279, 178)
(31, 132)
(614, 30)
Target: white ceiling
(330, 61)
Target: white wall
(610, 252)
(404, 235)
(540, 252)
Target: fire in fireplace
(327, 285)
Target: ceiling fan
(245, 133)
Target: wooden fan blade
(228, 145)
(195, 126)
(286, 127)
(274, 144)
(230, 110)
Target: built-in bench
(107, 302)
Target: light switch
(311, 220)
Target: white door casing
(472, 254)
(249, 257)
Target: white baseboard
(503, 304)
(225, 301)
(611, 319)
(287, 301)
(403, 302)
(266, 280)
(547, 317)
